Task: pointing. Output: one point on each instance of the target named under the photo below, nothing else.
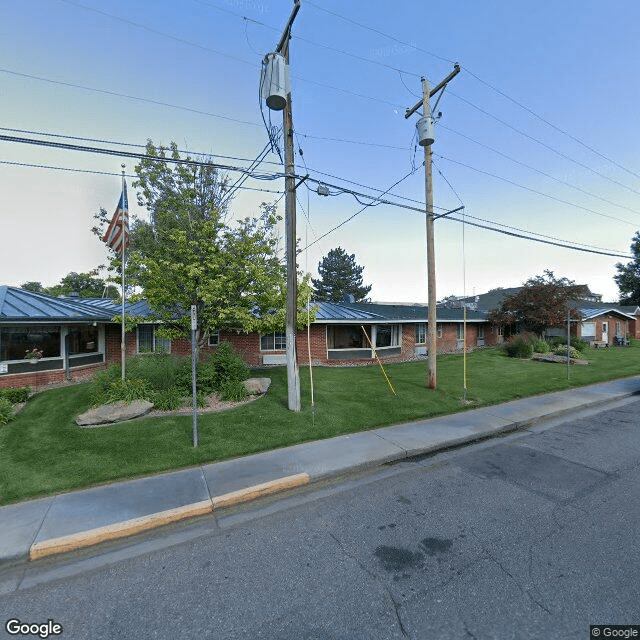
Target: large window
(588, 331)
(276, 341)
(16, 341)
(149, 341)
(82, 340)
(387, 335)
(421, 333)
(347, 336)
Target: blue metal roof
(381, 312)
(20, 305)
(332, 311)
(139, 308)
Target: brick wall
(39, 380)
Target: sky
(539, 132)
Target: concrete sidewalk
(38, 528)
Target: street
(533, 535)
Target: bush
(168, 399)
(157, 369)
(6, 411)
(541, 346)
(126, 391)
(233, 390)
(520, 346)
(15, 395)
(223, 368)
(561, 350)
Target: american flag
(115, 233)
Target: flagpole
(123, 243)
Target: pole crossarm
(446, 213)
(438, 87)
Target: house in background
(607, 325)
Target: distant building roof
(392, 312)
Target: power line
(487, 84)
(543, 144)
(191, 162)
(127, 96)
(543, 173)
(540, 193)
(50, 167)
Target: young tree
(542, 302)
(340, 276)
(188, 255)
(628, 277)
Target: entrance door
(605, 332)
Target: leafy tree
(187, 254)
(542, 302)
(35, 287)
(87, 285)
(340, 276)
(628, 277)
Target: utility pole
(426, 139)
(293, 374)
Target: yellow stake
(384, 373)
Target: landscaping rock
(116, 412)
(257, 386)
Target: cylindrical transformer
(425, 131)
(275, 83)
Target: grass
(43, 451)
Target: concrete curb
(133, 526)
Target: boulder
(257, 386)
(116, 412)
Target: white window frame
(214, 338)
(280, 336)
(156, 342)
(421, 333)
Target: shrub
(233, 390)
(561, 350)
(168, 399)
(520, 346)
(127, 391)
(6, 411)
(579, 345)
(223, 367)
(157, 369)
(540, 346)
(15, 394)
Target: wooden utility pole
(428, 187)
(293, 373)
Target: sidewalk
(38, 528)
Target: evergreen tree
(628, 278)
(340, 276)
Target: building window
(347, 337)
(214, 338)
(276, 341)
(16, 341)
(618, 328)
(480, 332)
(588, 331)
(387, 335)
(439, 331)
(82, 340)
(460, 331)
(150, 342)
(500, 330)
(421, 333)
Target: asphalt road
(529, 536)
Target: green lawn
(42, 451)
